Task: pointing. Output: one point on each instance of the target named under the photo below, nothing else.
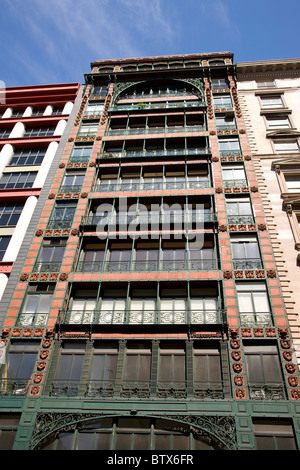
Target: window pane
(261, 303)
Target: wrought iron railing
(36, 320)
(79, 159)
(267, 391)
(142, 317)
(75, 188)
(256, 319)
(147, 266)
(169, 390)
(91, 133)
(140, 218)
(236, 183)
(247, 263)
(155, 105)
(156, 130)
(46, 267)
(105, 186)
(230, 153)
(155, 153)
(228, 106)
(240, 219)
(59, 223)
(11, 387)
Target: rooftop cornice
(264, 68)
(135, 60)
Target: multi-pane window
(88, 129)
(39, 131)
(9, 214)
(72, 181)
(286, 146)
(274, 434)
(137, 367)
(148, 91)
(83, 306)
(36, 307)
(264, 374)
(51, 256)
(4, 241)
(93, 109)
(224, 122)
(93, 257)
(19, 366)
(253, 304)
(219, 83)
(234, 176)
(133, 434)
(172, 370)
(239, 211)
(207, 370)
(222, 101)
(15, 180)
(147, 305)
(81, 154)
(103, 369)
(33, 156)
(245, 252)
(99, 91)
(62, 216)
(229, 145)
(142, 306)
(278, 122)
(69, 369)
(271, 101)
(292, 182)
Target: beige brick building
(269, 93)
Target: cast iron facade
(148, 313)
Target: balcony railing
(256, 319)
(11, 387)
(155, 153)
(36, 320)
(126, 219)
(226, 127)
(238, 183)
(59, 223)
(75, 188)
(47, 267)
(138, 389)
(230, 153)
(156, 105)
(146, 266)
(142, 317)
(153, 186)
(249, 263)
(269, 391)
(156, 130)
(240, 219)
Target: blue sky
(54, 41)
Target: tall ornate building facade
(149, 313)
